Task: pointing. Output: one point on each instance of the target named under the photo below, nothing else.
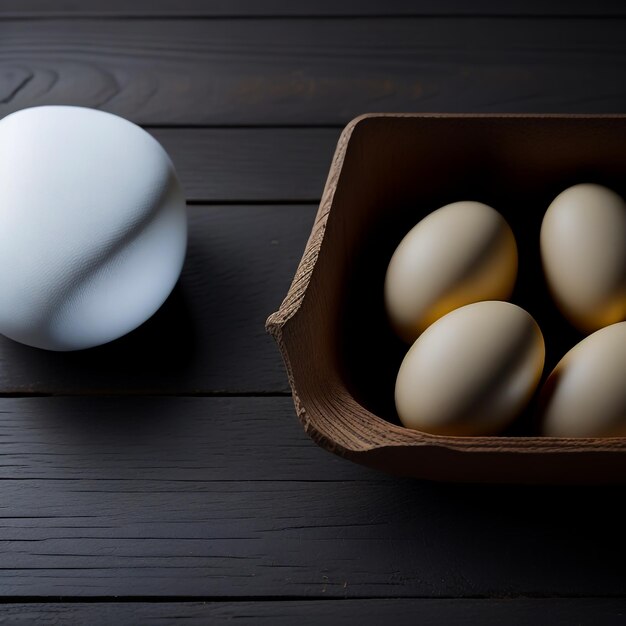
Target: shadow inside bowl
(520, 183)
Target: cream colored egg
(472, 372)
(585, 395)
(462, 253)
(583, 249)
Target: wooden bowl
(387, 173)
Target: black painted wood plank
(322, 71)
(248, 164)
(209, 337)
(162, 440)
(262, 8)
(402, 612)
(226, 497)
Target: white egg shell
(461, 253)
(585, 395)
(93, 229)
(472, 372)
(583, 249)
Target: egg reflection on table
(461, 253)
(472, 372)
(583, 249)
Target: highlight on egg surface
(585, 395)
(583, 250)
(462, 253)
(472, 372)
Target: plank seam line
(21, 17)
(243, 202)
(286, 598)
(148, 394)
(274, 126)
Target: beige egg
(585, 395)
(461, 253)
(472, 372)
(583, 249)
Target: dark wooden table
(165, 476)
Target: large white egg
(461, 253)
(583, 248)
(93, 229)
(472, 372)
(585, 395)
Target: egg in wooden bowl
(342, 354)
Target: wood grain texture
(250, 165)
(209, 336)
(404, 612)
(156, 439)
(226, 497)
(310, 8)
(322, 71)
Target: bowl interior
(399, 169)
